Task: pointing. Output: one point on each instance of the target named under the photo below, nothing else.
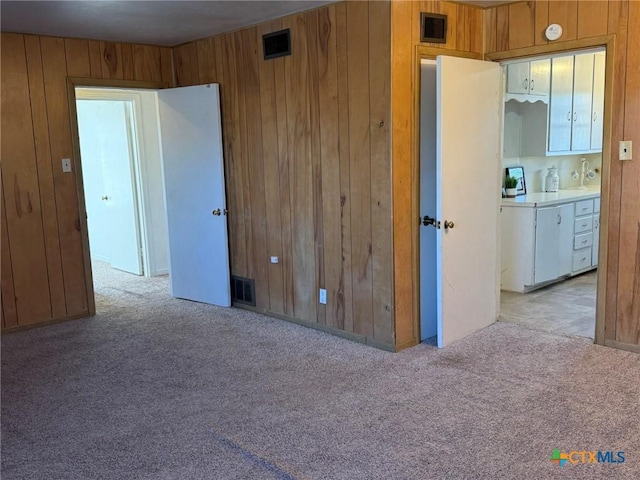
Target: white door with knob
(460, 190)
(191, 134)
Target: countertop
(541, 199)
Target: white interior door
(191, 137)
(468, 195)
(106, 148)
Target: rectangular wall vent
(276, 44)
(243, 290)
(433, 28)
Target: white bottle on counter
(552, 181)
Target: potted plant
(511, 185)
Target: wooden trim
(427, 53)
(607, 41)
(72, 83)
(323, 328)
(55, 321)
(629, 347)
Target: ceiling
(166, 23)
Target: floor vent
(243, 290)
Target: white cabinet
(529, 78)
(543, 244)
(554, 242)
(576, 104)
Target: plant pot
(512, 192)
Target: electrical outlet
(323, 296)
(274, 259)
(625, 150)
(66, 165)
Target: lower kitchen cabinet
(544, 244)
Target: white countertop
(541, 199)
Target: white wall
(535, 169)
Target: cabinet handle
(575, 116)
(584, 241)
(559, 219)
(525, 83)
(569, 116)
(595, 116)
(584, 224)
(533, 84)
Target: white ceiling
(167, 23)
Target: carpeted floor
(158, 388)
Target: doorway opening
(123, 191)
(554, 110)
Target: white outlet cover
(66, 165)
(323, 296)
(274, 259)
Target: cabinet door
(596, 240)
(561, 104)
(566, 217)
(597, 116)
(546, 250)
(582, 99)
(540, 73)
(518, 77)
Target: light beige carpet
(159, 388)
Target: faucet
(586, 173)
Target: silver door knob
(105, 198)
(217, 212)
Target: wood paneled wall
(308, 163)
(464, 34)
(43, 275)
(522, 25)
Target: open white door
(468, 189)
(467, 199)
(191, 136)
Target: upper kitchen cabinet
(529, 81)
(576, 104)
(555, 106)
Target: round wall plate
(553, 31)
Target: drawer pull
(584, 258)
(584, 224)
(584, 241)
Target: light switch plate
(66, 165)
(625, 150)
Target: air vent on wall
(276, 44)
(433, 28)
(243, 290)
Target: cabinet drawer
(582, 259)
(584, 207)
(596, 204)
(583, 241)
(583, 224)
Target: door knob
(448, 224)
(105, 198)
(217, 212)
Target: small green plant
(510, 182)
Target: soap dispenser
(552, 181)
